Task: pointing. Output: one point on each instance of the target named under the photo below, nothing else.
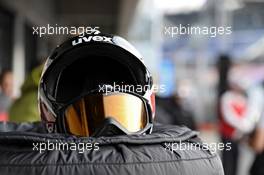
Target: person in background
(25, 108)
(6, 85)
(241, 109)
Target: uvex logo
(91, 38)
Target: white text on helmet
(92, 38)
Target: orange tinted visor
(87, 114)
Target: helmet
(94, 85)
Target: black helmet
(96, 85)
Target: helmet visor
(86, 115)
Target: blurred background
(213, 84)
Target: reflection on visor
(88, 113)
